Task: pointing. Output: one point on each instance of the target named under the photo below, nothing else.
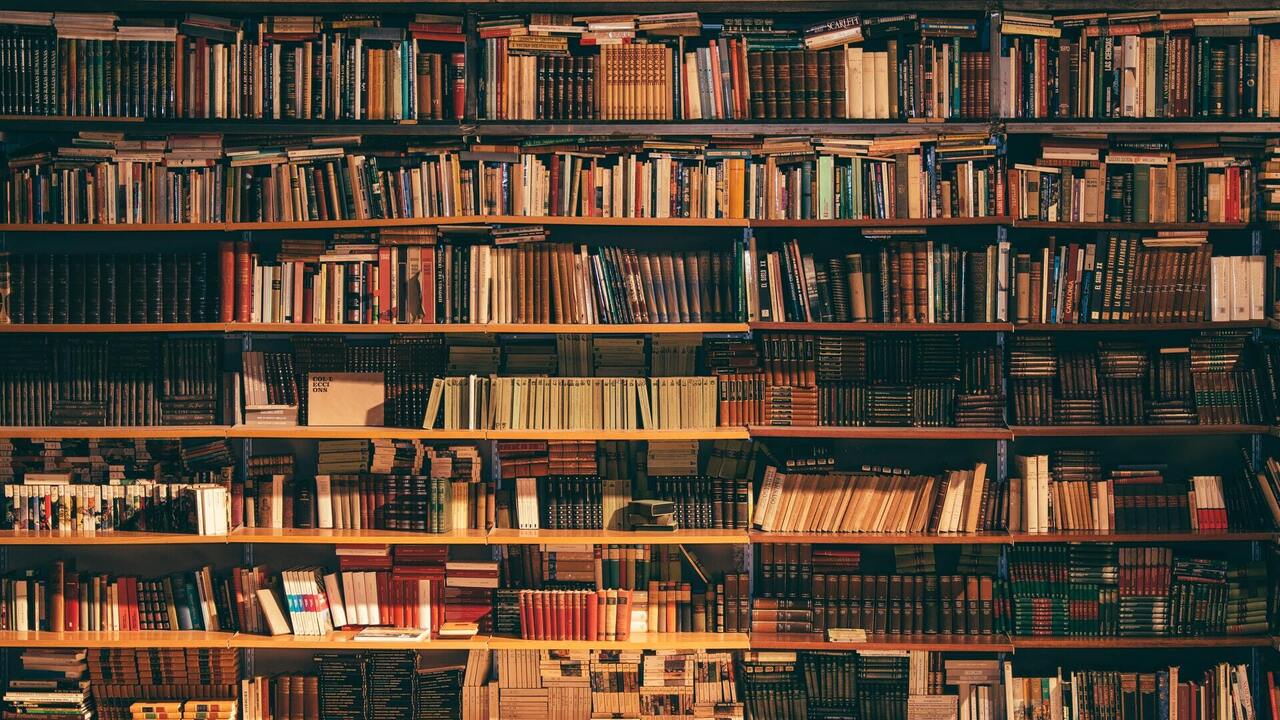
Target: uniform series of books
(1210, 380)
(110, 381)
(560, 403)
(184, 179)
(61, 507)
(904, 281)
(1169, 278)
(896, 501)
(785, 684)
(280, 697)
(107, 288)
(109, 461)
(186, 710)
(1152, 64)
(1221, 692)
(280, 67)
(386, 684)
(903, 66)
(121, 677)
(1069, 490)
(932, 379)
(1104, 590)
(1173, 180)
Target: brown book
(697, 290)
(755, 83)
(244, 282)
(838, 99)
(824, 73)
(891, 46)
(782, 83)
(973, 608)
(810, 58)
(797, 85)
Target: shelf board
(827, 432)
(324, 536)
(105, 537)
(1101, 643)
(346, 640)
(507, 536)
(866, 327)
(114, 431)
(490, 328)
(638, 641)
(133, 639)
(715, 433)
(1109, 226)
(1175, 126)
(1020, 431)
(843, 538)
(313, 432)
(46, 328)
(1138, 327)
(938, 643)
(1066, 536)
(885, 223)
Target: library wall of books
(498, 360)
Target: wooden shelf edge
(510, 536)
(833, 432)
(1028, 642)
(380, 329)
(638, 641)
(1137, 327)
(947, 643)
(866, 327)
(834, 538)
(1020, 431)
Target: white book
(324, 503)
(333, 592)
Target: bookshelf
(823, 235)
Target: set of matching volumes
(888, 605)
(880, 502)
(202, 508)
(1170, 278)
(904, 281)
(196, 179)
(560, 403)
(1145, 64)
(1094, 180)
(279, 67)
(575, 614)
(107, 288)
(224, 709)
(1221, 692)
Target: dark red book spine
(244, 281)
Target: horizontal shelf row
(868, 223)
(615, 329)
(345, 640)
(310, 432)
(507, 536)
(604, 128)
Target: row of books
(1221, 692)
(1210, 380)
(181, 179)
(874, 502)
(901, 67)
(1102, 589)
(558, 403)
(200, 66)
(145, 506)
(1090, 179)
(1069, 491)
(111, 381)
(1155, 64)
(1171, 277)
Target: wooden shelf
(313, 432)
(114, 431)
(864, 327)
(320, 536)
(716, 433)
(1137, 327)
(1144, 537)
(1188, 126)
(1110, 226)
(1103, 643)
(491, 328)
(638, 641)
(826, 432)
(346, 640)
(842, 538)
(105, 537)
(883, 223)
(937, 643)
(134, 639)
(506, 536)
(1020, 431)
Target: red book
(579, 609)
(227, 276)
(624, 614)
(539, 617)
(525, 621)
(554, 200)
(71, 595)
(384, 285)
(459, 62)
(383, 601)
(592, 601)
(244, 281)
